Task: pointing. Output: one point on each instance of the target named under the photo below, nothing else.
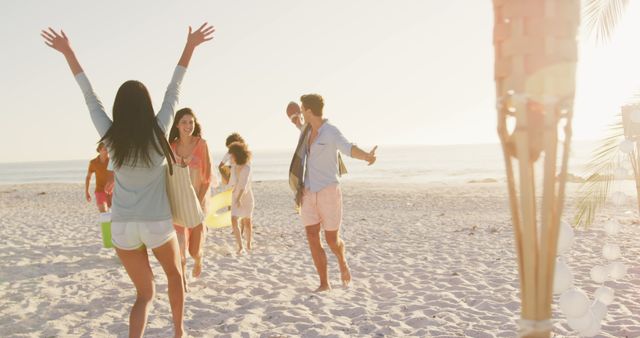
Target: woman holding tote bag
(191, 150)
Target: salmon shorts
(323, 207)
(103, 198)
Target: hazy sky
(391, 72)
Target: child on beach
(225, 165)
(136, 140)
(191, 149)
(103, 190)
(242, 197)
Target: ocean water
(419, 164)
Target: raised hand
(59, 42)
(371, 158)
(202, 34)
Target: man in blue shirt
(321, 203)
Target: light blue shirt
(322, 161)
(140, 193)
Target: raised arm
(60, 42)
(194, 39)
(203, 34)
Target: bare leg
(236, 234)
(136, 262)
(318, 255)
(247, 225)
(337, 246)
(196, 245)
(168, 256)
(182, 246)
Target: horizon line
(288, 149)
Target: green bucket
(105, 225)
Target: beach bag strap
(185, 207)
(166, 148)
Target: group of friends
(190, 149)
(135, 191)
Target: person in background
(103, 191)
(313, 176)
(225, 164)
(140, 216)
(191, 149)
(242, 196)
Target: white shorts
(133, 235)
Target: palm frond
(602, 16)
(593, 193)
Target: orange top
(199, 162)
(102, 174)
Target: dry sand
(429, 260)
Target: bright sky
(391, 72)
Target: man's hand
(87, 196)
(371, 156)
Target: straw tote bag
(185, 206)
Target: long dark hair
(174, 134)
(134, 130)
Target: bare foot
(179, 334)
(240, 251)
(345, 274)
(197, 268)
(323, 288)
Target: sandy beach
(428, 260)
